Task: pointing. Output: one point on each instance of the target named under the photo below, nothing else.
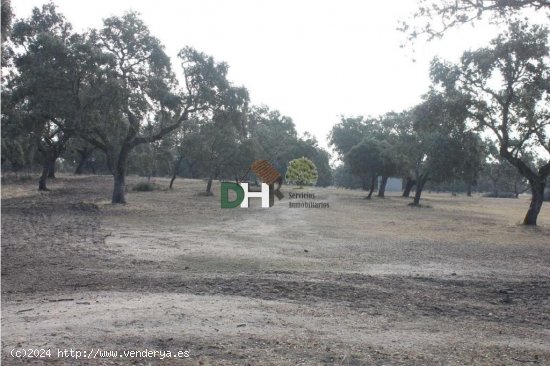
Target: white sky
(311, 60)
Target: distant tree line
(109, 100)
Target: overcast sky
(311, 60)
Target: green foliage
(273, 137)
(365, 158)
(344, 178)
(372, 158)
(301, 172)
(307, 146)
(438, 129)
(474, 156)
(388, 128)
(499, 176)
(39, 92)
(434, 18)
(515, 110)
(507, 87)
(348, 133)
(6, 18)
(150, 159)
(218, 151)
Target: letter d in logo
(225, 187)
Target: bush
(301, 172)
(500, 195)
(26, 178)
(144, 187)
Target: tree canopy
(433, 18)
(301, 172)
(508, 85)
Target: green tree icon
(301, 172)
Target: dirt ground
(361, 283)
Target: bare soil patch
(364, 282)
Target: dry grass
(363, 282)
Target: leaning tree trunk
(537, 198)
(417, 195)
(419, 187)
(371, 189)
(172, 180)
(119, 189)
(176, 170)
(408, 186)
(365, 183)
(382, 188)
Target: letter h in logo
(243, 195)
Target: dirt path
(361, 283)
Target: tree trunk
(80, 167)
(537, 198)
(382, 188)
(469, 190)
(172, 181)
(43, 177)
(408, 186)
(119, 189)
(417, 195)
(209, 186)
(84, 155)
(176, 170)
(51, 166)
(419, 187)
(373, 180)
(365, 183)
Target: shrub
(144, 187)
(500, 195)
(26, 178)
(301, 172)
